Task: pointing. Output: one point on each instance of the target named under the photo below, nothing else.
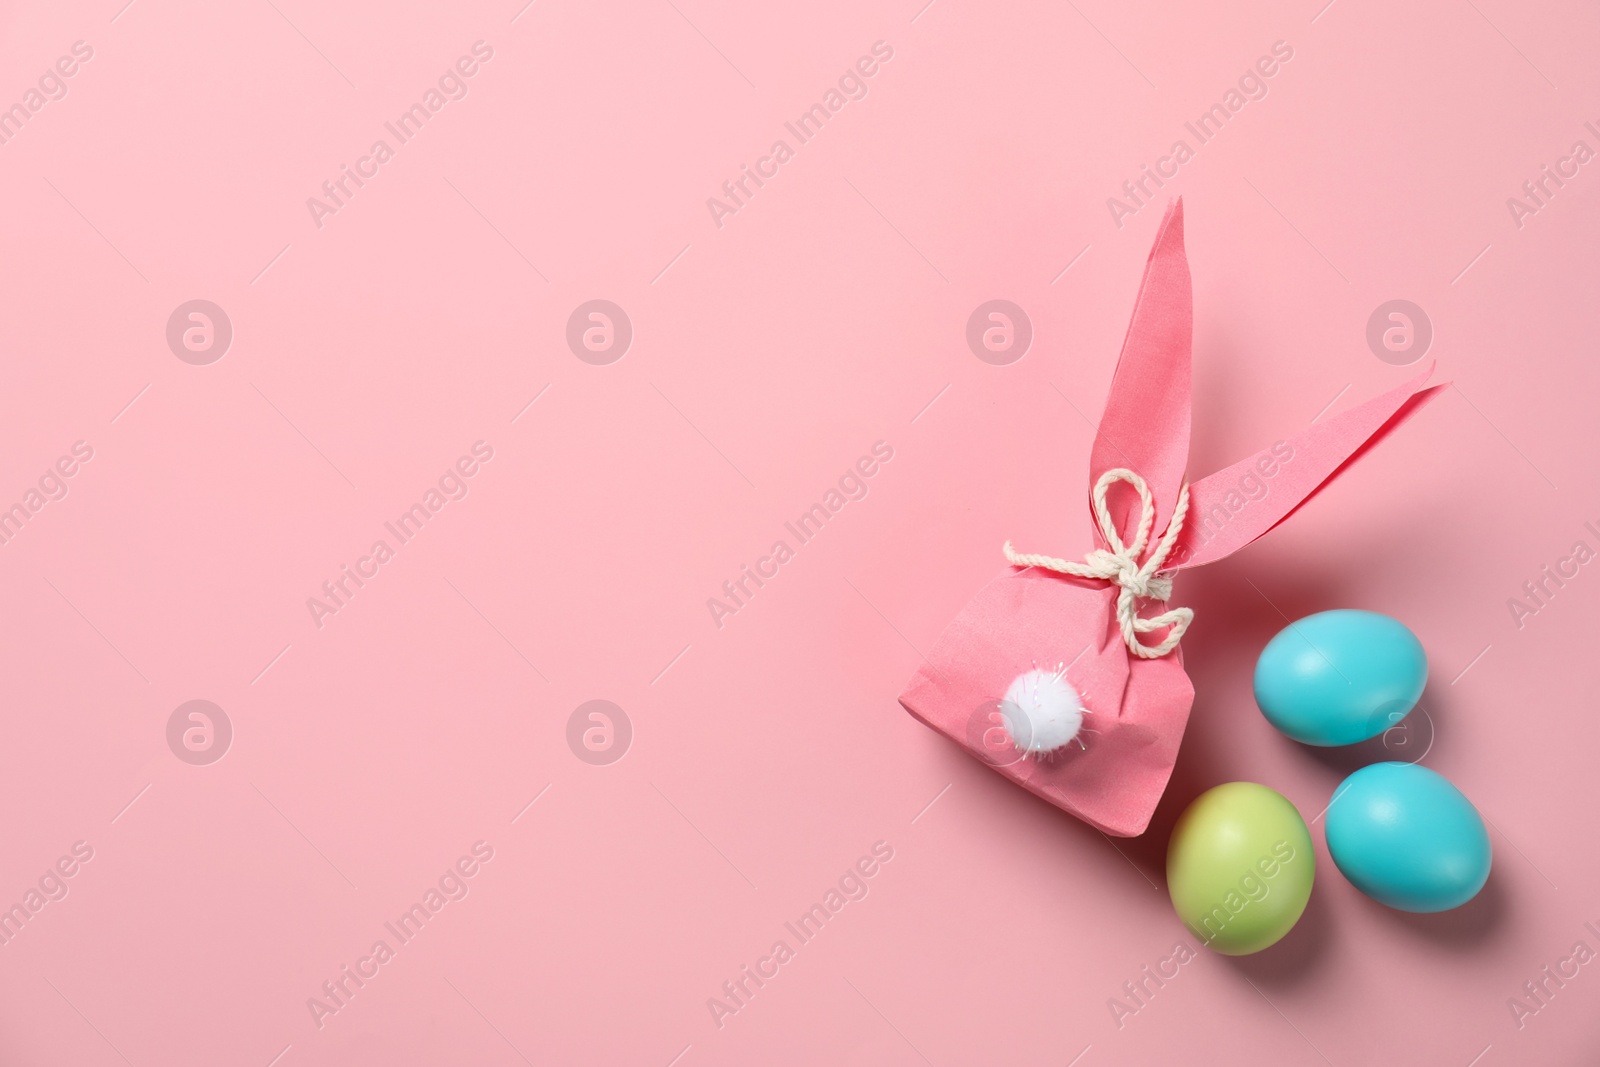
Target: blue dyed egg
(1340, 677)
(1406, 837)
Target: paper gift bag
(1066, 675)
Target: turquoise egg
(1340, 677)
(1406, 837)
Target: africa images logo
(453, 484)
(451, 85)
(451, 886)
(740, 590)
(51, 86)
(1252, 85)
(853, 885)
(852, 85)
(199, 332)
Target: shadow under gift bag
(1065, 675)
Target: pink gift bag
(1066, 676)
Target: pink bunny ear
(1145, 427)
(1236, 505)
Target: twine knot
(1120, 565)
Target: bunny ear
(1236, 505)
(1145, 427)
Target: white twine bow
(1121, 567)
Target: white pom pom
(1042, 711)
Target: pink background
(768, 354)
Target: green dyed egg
(1240, 867)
